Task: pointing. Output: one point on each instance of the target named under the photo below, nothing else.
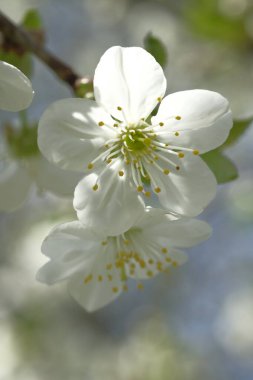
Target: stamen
(101, 123)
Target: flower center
(135, 139)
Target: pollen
(150, 273)
(115, 289)
(100, 278)
(195, 152)
(161, 124)
(95, 187)
(175, 264)
(164, 250)
(157, 190)
(88, 279)
(140, 286)
(119, 108)
(178, 117)
(101, 123)
(147, 194)
(142, 263)
(115, 125)
(176, 133)
(121, 173)
(140, 189)
(159, 99)
(90, 166)
(181, 155)
(166, 171)
(168, 259)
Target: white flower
(16, 91)
(97, 267)
(126, 150)
(23, 167)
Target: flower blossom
(129, 154)
(97, 267)
(16, 91)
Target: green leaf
(239, 128)
(32, 20)
(157, 48)
(22, 62)
(222, 167)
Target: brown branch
(20, 37)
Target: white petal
(186, 191)
(205, 123)
(182, 232)
(51, 178)
(16, 91)
(14, 185)
(69, 135)
(129, 78)
(113, 207)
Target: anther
(157, 190)
(177, 167)
(176, 133)
(140, 286)
(100, 278)
(159, 99)
(90, 166)
(150, 273)
(166, 171)
(115, 125)
(151, 261)
(164, 250)
(139, 189)
(109, 277)
(119, 108)
(95, 187)
(161, 124)
(121, 173)
(104, 242)
(168, 259)
(178, 118)
(147, 194)
(175, 264)
(115, 289)
(101, 123)
(195, 152)
(181, 155)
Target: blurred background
(195, 323)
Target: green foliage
(32, 20)
(157, 48)
(239, 128)
(222, 167)
(206, 19)
(23, 62)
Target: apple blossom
(97, 267)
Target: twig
(18, 36)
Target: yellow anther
(109, 277)
(181, 155)
(156, 158)
(175, 264)
(106, 146)
(104, 242)
(161, 124)
(100, 278)
(115, 289)
(147, 194)
(176, 133)
(119, 264)
(177, 167)
(95, 187)
(159, 266)
(157, 190)
(101, 123)
(159, 99)
(139, 189)
(166, 171)
(88, 279)
(90, 166)
(116, 125)
(140, 286)
(151, 261)
(108, 161)
(119, 108)
(126, 241)
(167, 144)
(168, 259)
(150, 273)
(142, 263)
(121, 173)
(125, 287)
(178, 118)
(195, 152)
(164, 250)
(109, 266)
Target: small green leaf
(32, 20)
(239, 128)
(157, 48)
(23, 62)
(222, 167)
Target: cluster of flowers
(131, 161)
